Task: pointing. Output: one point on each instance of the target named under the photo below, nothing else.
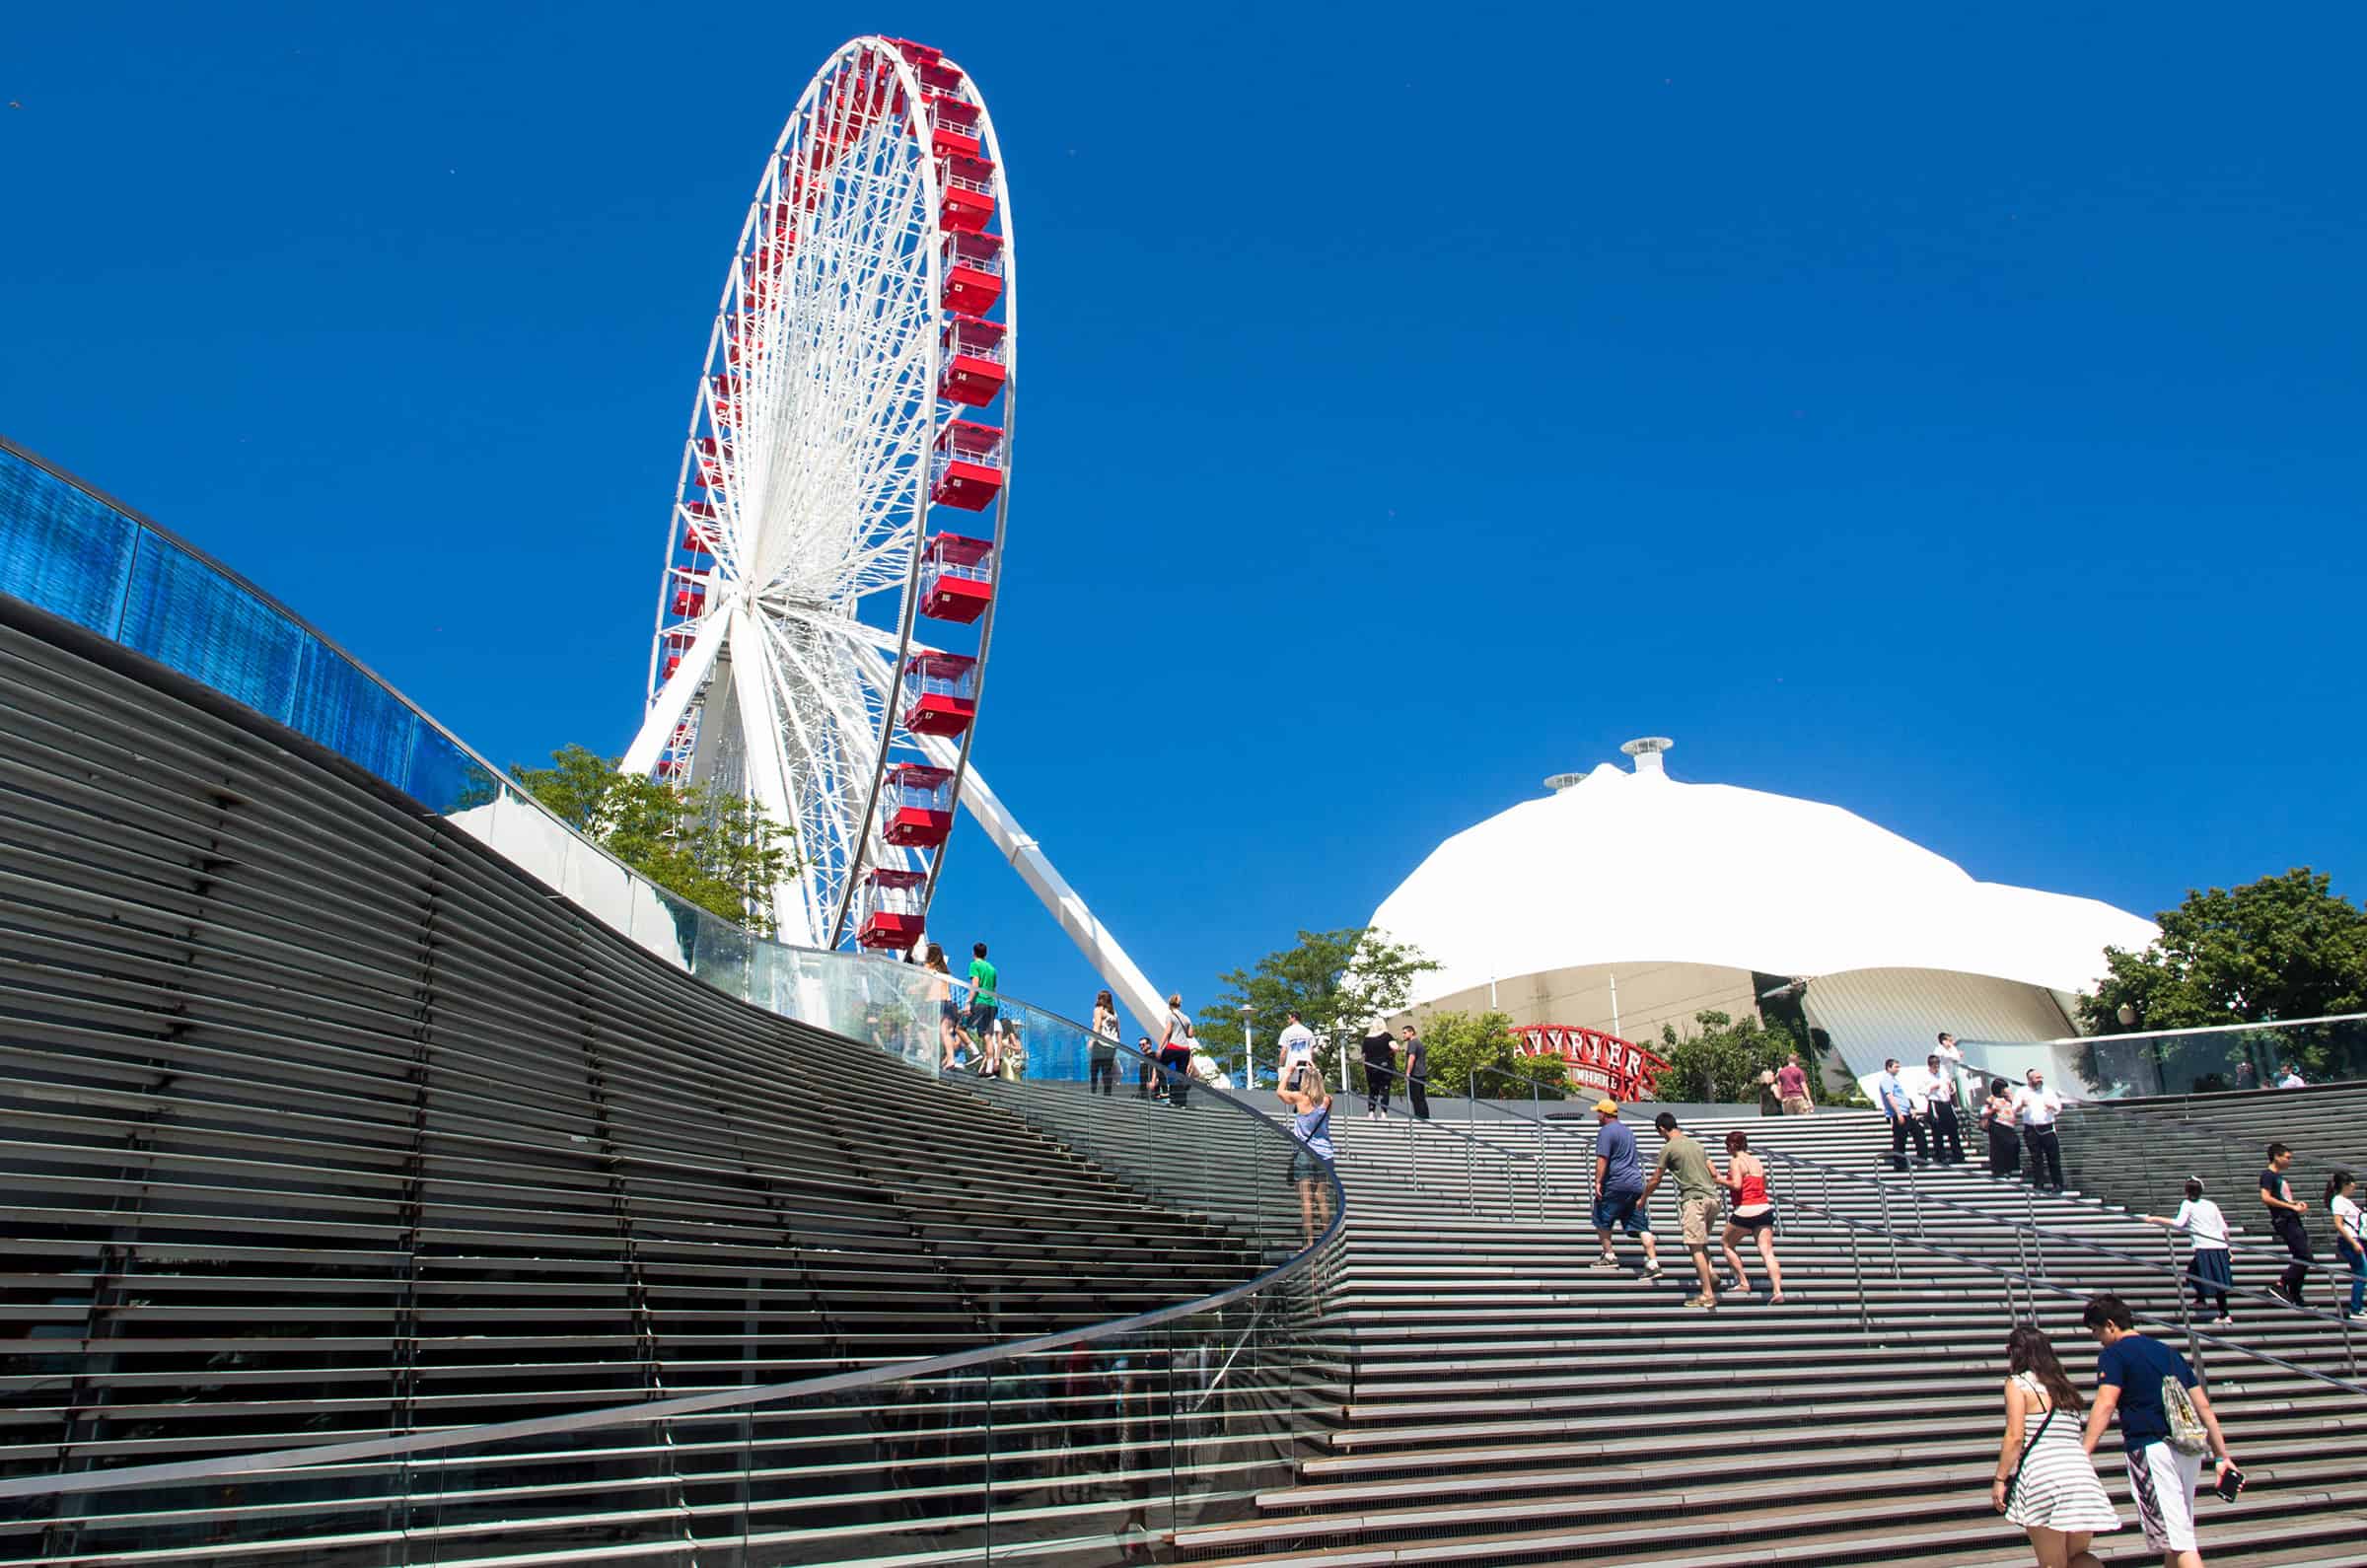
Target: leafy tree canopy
(1462, 1045)
(1719, 1061)
(2281, 947)
(1335, 979)
(720, 851)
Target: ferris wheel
(828, 590)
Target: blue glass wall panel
(353, 715)
(61, 549)
(444, 778)
(184, 614)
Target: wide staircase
(1513, 1404)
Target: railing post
(1914, 1193)
(1536, 1108)
(2185, 1312)
(1888, 1229)
(2038, 1238)
(1856, 1267)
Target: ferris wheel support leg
(761, 742)
(1123, 976)
(674, 699)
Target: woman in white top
(2045, 1482)
(2350, 1241)
(2207, 1270)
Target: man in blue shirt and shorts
(2131, 1369)
(1619, 1188)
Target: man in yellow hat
(1619, 1188)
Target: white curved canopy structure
(1622, 871)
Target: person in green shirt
(983, 1005)
(1696, 1198)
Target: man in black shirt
(1417, 1074)
(2284, 1218)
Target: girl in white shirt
(2350, 1235)
(2207, 1270)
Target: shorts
(950, 1009)
(980, 1019)
(1762, 1221)
(1290, 1079)
(1616, 1210)
(1305, 1166)
(2161, 1480)
(1797, 1106)
(1695, 1214)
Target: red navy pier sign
(1598, 1062)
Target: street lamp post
(1248, 1060)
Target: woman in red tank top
(1749, 1212)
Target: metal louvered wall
(319, 1120)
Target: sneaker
(2224, 1317)
(1604, 1261)
(1705, 1304)
(1652, 1267)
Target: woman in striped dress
(2046, 1482)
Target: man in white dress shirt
(2036, 1107)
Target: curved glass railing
(2220, 1058)
(1116, 1435)
(1109, 1439)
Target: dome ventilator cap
(1646, 750)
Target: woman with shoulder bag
(2045, 1482)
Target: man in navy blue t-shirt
(1619, 1187)
(2130, 1373)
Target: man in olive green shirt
(1696, 1198)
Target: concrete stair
(1513, 1404)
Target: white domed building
(1626, 899)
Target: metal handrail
(2032, 1282)
(2218, 1145)
(1471, 1144)
(649, 1411)
(2037, 1233)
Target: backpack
(2187, 1434)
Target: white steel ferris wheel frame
(762, 536)
(819, 413)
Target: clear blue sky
(1956, 417)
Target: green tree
(2279, 948)
(720, 851)
(1335, 979)
(1462, 1043)
(1719, 1061)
